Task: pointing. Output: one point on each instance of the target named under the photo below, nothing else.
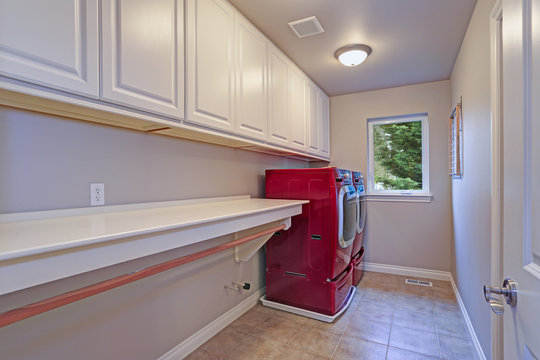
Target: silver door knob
(508, 290)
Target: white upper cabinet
(279, 129)
(210, 64)
(143, 54)
(297, 108)
(251, 99)
(314, 118)
(325, 125)
(53, 43)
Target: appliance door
(360, 214)
(347, 216)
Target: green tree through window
(398, 155)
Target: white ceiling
(413, 41)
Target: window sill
(421, 198)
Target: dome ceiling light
(352, 55)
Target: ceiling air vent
(306, 27)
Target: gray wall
(471, 195)
(48, 162)
(400, 233)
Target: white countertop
(46, 233)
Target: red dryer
(358, 250)
(309, 266)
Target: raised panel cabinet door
(297, 108)
(52, 43)
(279, 129)
(313, 128)
(210, 57)
(251, 100)
(325, 125)
(143, 55)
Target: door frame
(496, 18)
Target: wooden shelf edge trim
(15, 315)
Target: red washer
(358, 267)
(309, 266)
(358, 181)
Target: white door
(314, 127)
(52, 43)
(210, 64)
(251, 100)
(521, 164)
(143, 54)
(297, 108)
(278, 122)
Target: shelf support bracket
(244, 252)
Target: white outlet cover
(97, 194)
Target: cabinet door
(143, 54)
(279, 128)
(52, 43)
(325, 125)
(210, 64)
(251, 101)
(314, 118)
(297, 108)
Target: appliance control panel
(344, 176)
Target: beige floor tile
(453, 348)
(247, 322)
(353, 348)
(441, 284)
(414, 303)
(414, 340)
(416, 290)
(379, 295)
(288, 316)
(315, 341)
(263, 309)
(369, 330)
(373, 310)
(255, 348)
(444, 308)
(201, 355)
(277, 329)
(289, 353)
(415, 320)
(452, 325)
(223, 342)
(338, 326)
(400, 354)
(446, 295)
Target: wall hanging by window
(456, 142)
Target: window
(398, 156)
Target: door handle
(508, 290)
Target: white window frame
(423, 195)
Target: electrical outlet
(97, 194)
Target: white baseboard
(408, 271)
(189, 345)
(468, 322)
(435, 275)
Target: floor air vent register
(418, 282)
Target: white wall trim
(189, 345)
(434, 275)
(472, 333)
(408, 271)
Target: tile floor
(387, 319)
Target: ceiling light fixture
(352, 55)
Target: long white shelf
(38, 247)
